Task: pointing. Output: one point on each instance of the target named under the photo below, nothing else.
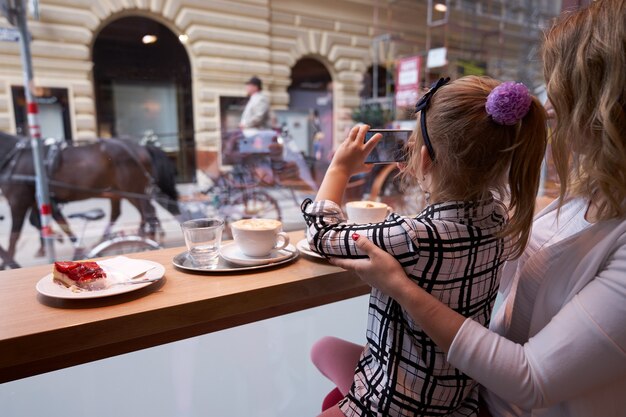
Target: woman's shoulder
(574, 209)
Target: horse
(109, 168)
(163, 171)
(4, 255)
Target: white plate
(232, 254)
(303, 246)
(47, 286)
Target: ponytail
(490, 139)
(524, 175)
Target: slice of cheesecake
(84, 275)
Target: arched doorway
(142, 81)
(310, 115)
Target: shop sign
(407, 81)
(437, 57)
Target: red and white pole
(45, 210)
(34, 130)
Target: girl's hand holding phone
(351, 154)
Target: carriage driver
(256, 114)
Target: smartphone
(391, 148)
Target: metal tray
(182, 261)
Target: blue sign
(9, 35)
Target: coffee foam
(367, 204)
(256, 224)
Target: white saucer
(232, 254)
(303, 246)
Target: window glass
(233, 114)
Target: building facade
(228, 41)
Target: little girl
(477, 142)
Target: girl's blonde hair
(584, 57)
(476, 156)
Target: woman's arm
(583, 346)
(381, 270)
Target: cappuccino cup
(361, 212)
(259, 237)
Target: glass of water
(203, 238)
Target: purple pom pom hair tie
(508, 103)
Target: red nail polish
(355, 236)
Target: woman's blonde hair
(584, 57)
(476, 156)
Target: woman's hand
(381, 270)
(350, 156)
(384, 272)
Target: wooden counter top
(40, 334)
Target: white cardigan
(557, 346)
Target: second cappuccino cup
(259, 237)
(362, 212)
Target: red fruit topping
(80, 271)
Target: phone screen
(391, 148)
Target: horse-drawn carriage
(110, 168)
(269, 160)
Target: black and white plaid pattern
(450, 249)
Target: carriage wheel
(122, 245)
(250, 204)
(406, 201)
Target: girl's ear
(425, 161)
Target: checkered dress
(451, 250)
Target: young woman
(557, 345)
(476, 139)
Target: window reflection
(176, 84)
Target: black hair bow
(422, 105)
